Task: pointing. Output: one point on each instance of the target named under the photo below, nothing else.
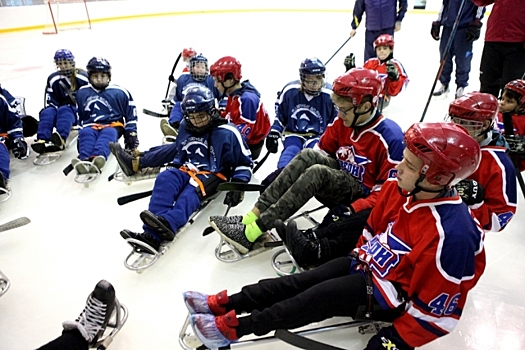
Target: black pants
(500, 63)
(69, 340)
(297, 300)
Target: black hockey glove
(470, 191)
(233, 198)
(474, 30)
(516, 144)
(387, 338)
(436, 28)
(349, 62)
(392, 71)
(272, 141)
(20, 149)
(131, 140)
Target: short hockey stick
(443, 60)
(239, 186)
(14, 224)
(261, 162)
(133, 197)
(339, 49)
(210, 229)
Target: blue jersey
(9, 98)
(184, 83)
(222, 150)
(59, 87)
(10, 122)
(113, 104)
(300, 113)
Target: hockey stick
(339, 49)
(302, 342)
(14, 224)
(133, 197)
(239, 186)
(261, 162)
(508, 126)
(171, 78)
(443, 60)
(210, 229)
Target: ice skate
(441, 92)
(102, 312)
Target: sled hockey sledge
(115, 324)
(142, 256)
(51, 157)
(5, 193)
(188, 339)
(4, 284)
(86, 172)
(142, 174)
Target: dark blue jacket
(449, 12)
(380, 14)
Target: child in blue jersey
(11, 139)
(60, 110)
(209, 151)
(303, 110)
(105, 112)
(198, 75)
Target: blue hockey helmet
(194, 61)
(313, 67)
(198, 99)
(65, 61)
(99, 65)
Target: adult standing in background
(382, 17)
(503, 56)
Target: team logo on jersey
(306, 119)
(351, 162)
(196, 151)
(98, 107)
(383, 256)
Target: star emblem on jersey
(387, 344)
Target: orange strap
(103, 126)
(4, 134)
(193, 174)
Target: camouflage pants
(309, 174)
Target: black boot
(304, 247)
(158, 224)
(144, 237)
(280, 227)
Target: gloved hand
(387, 338)
(436, 28)
(470, 191)
(272, 141)
(516, 144)
(131, 140)
(19, 148)
(474, 30)
(349, 62)
(392, 71)
(233, 198)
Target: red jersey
(426, 253)
(497, 176)
(391, 88)
(369, 153)
(245, 109)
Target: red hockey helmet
(518, 86)
(472, 110)
(188, 52)
(448, 153)
(225, 65)
(358, 83)
(384, 40)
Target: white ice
(73, 240)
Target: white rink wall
(33, 17)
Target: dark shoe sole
(151, 220)
(126, 234)
(39, 147)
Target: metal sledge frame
(4, 284)
(142, 174)
(51, 157)
(85, 179)
(188, 340)
(144, 259)
(5, 194)
(116, 323)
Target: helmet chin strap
(418, 188)
(226, 88)
(358, 115)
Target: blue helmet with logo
(312, 66)
(98, 65)
(198, 99)
(65, 56)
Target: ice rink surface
(73, 240)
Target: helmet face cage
(225, 65)
(198, 105)
(358, 83)
(309, 69)
(384, 40)
(518, 87)
(65, 62)
(199, 61)
(472, 110)
(98, 65)
(448, 152)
